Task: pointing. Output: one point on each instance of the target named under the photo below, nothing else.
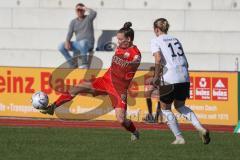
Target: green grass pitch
(111, 144)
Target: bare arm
(158, 69)
(70, 32)
(69, 36)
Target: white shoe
(179, 141)
(135, 136)
(84, 66)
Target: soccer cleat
(135, 136)
(179, 141)
(49, 110)
(84, 66)
(149, 118)
(205, 135)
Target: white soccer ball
(40, 100)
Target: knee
(177, 109)
(165, 106)
(121, 120)
(178, 104)
(84, 45)
(72, 91)
(61, 47)
(183, 109)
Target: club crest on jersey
(126, 55)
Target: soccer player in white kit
(169, 54)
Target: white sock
(190, 116)
(172, 123)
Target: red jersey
(124, 65)
(116, 80)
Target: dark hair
(127, 30)
(162, 24)
(80, 4)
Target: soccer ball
(39, 100)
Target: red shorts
(104, 86)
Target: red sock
(129, 126)
(65, 97)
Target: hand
(156, 81)
(67, 45)
(84, 8)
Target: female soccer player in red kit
(115, 81)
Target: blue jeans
(77, 47)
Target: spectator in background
(82, 27)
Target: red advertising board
(202, 88)
(220, 89)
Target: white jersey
(172, 58)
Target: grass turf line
(110, 144)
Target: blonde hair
(162, 24)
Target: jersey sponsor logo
(169, 39)
(220, 89)
(117, 60)
(202, 88)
